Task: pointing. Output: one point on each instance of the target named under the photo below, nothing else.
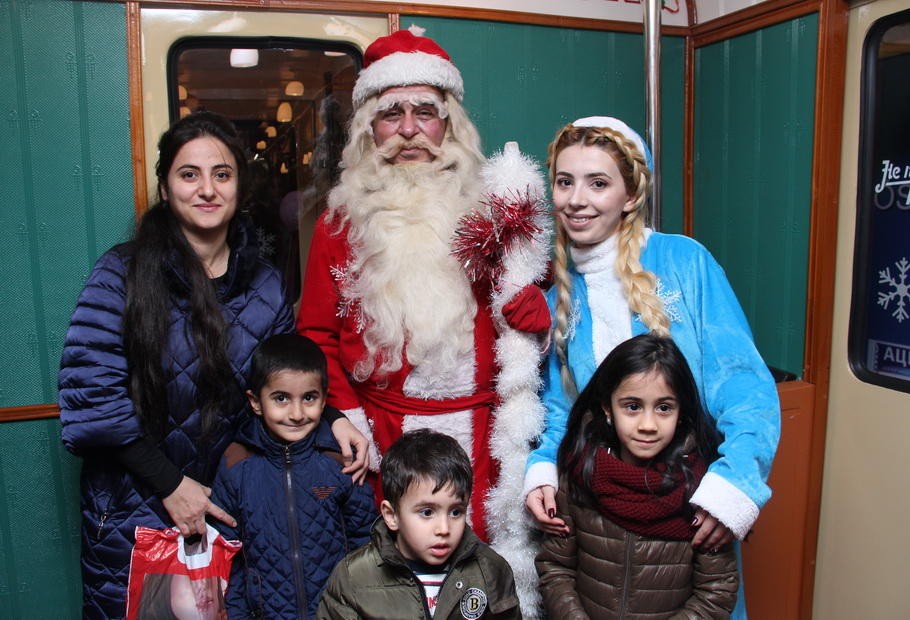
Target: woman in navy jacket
(157, 355)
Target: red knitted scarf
(638, 499)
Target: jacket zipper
(105, 513)
(423, 595)
(296, 562)
(426, 608)
(624, 601)
(101, 521)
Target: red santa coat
(324, 318)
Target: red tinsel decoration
(484, 238)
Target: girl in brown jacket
(636, 446)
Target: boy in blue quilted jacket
(297, 514)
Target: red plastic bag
(171, 579)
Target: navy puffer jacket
(297, 516)
(97, 414)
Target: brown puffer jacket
(603, 571)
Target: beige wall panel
(864, 541)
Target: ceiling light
(184, 111)
(270, 131)
(181, 92)
(294, 89)
(244, 58)
(260, 146)
(284, 114)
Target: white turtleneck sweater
(610, 316)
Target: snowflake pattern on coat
(347, 306)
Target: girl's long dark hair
(587, 426)
(157, 250)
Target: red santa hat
(404, 59)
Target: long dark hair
(158, 247)
(587, 426)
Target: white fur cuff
(540, 475)
(358, 418)
(726, 503)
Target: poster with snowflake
(889, 354)
(881, 323)
(880, 313)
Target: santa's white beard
(411, 291)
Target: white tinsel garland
(519, 419)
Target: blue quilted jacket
(97, 414)
(297, 516)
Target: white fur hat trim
(408, 69)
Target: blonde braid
(562, 279)
(640, 286)
(563, 283)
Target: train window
(290, 99)
(880, 312)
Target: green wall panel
(754, 111)
(39, 524)
(525, 82)
(67, 188)
(65, 170)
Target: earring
(609, 421)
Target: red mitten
(527, 311)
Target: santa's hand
(527, 311)
(354, 448)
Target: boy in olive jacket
(423, 560)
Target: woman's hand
(189, 504)
(541, 502)
(712, 534)
(353, 449)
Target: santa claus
(409, 339)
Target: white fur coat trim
(520, 415)
(727, 503)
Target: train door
(863, 544)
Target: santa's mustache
(397, 143)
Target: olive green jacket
(375, 582)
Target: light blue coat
(708, 325)
(710, 329)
